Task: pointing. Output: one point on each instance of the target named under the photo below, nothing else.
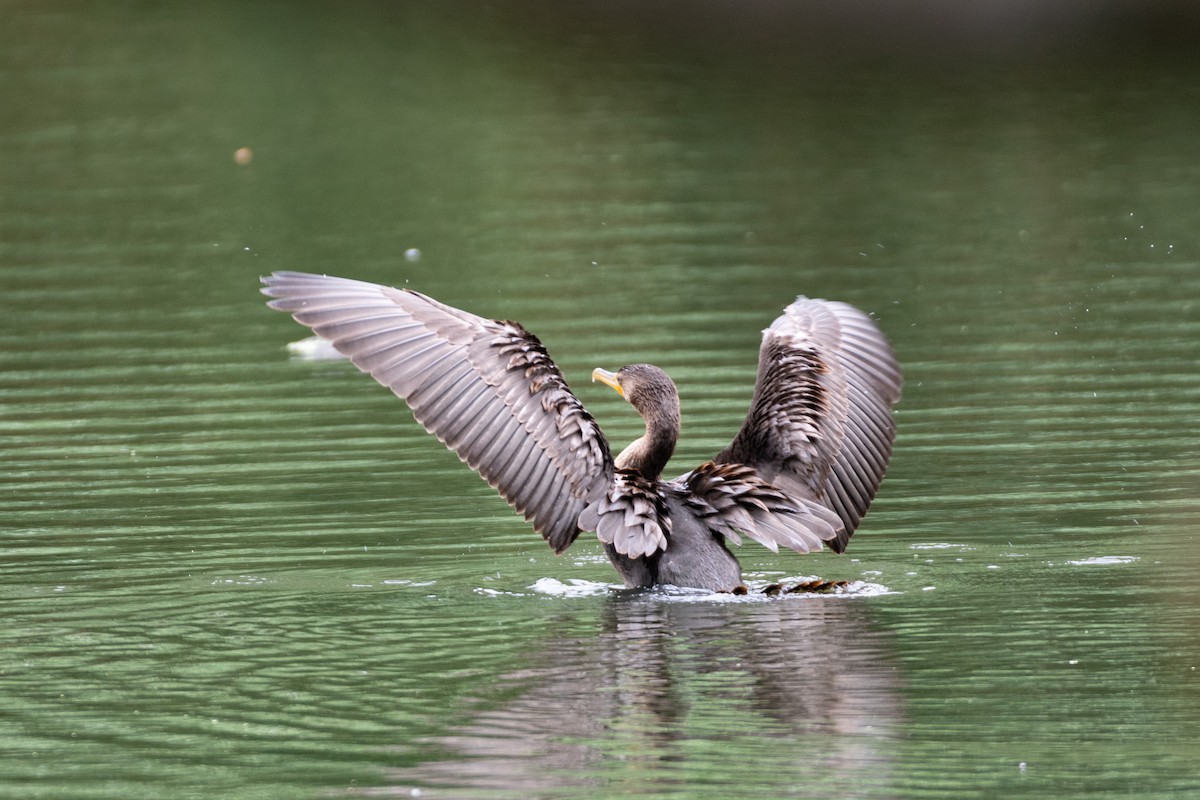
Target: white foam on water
(938, 546)
(573, 587)
(1102, 560)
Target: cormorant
(801, 471)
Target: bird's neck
(649, 453)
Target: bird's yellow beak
(609, 378)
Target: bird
(800, 473)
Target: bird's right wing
(820, 424)
(487, 389)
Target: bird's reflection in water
(797, 691)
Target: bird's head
(646, 387)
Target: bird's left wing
(487, 389)
(820, 424)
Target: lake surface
(229, 572)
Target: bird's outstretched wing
(820, 424)
(487, 389)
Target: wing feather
(732, 499)
(469, 420)
(486, 388)
(632, 516)
(820, 424)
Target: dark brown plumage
(801, 471)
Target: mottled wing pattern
(732, 499)
(631, 516)
(820, 424)
(487, 389)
